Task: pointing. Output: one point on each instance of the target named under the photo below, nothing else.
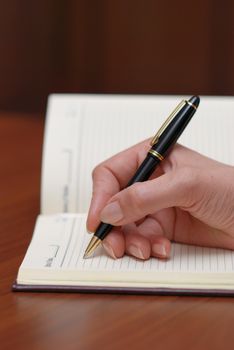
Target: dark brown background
(124, 46)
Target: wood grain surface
(84, 321)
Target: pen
(161, 144)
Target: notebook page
(83, 130)
(59, 243)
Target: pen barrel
(171, 134)
(102, 230)
(146, 168)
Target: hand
(189, 199)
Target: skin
(188, 199)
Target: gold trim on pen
(156, 154)
(167, 122)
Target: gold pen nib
(93, 244)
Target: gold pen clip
(167, 122)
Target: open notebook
(81, 131)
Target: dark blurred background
(122, 46)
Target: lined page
(59, 242)
(83, 130)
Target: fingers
(105, 185)
(190, 182)
(114, 243)
(153, 230)
(112, 175)
(135, 244)
(127, 240)
(148, 240)
(141, 242)
(175, 188)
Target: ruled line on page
(181, 260)
(68, 233)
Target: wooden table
(84, 321)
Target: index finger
(111, 176)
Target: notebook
(83, 130)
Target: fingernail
(88, 231)
(111, 213)
(159, 249)
(108, 249)
(136, 251)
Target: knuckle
(99, 182)
(96, 171)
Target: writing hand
(189, 199)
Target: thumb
(177, 188)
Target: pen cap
(173, 131)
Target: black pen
(161, 144)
